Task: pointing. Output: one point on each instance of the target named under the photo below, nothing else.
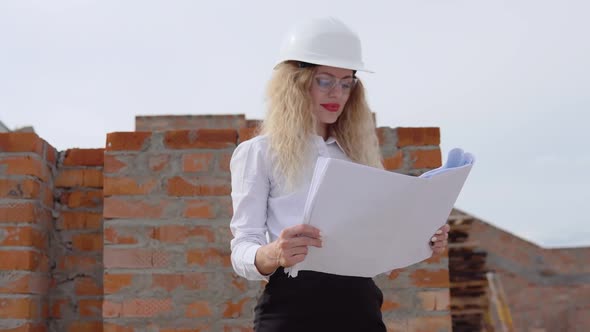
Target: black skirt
(315, 301)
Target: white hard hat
(323, 41)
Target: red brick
(235, 309)
(127, 141)
(208, 257)
(173, 281)
(398, 324)
(19, 308)
(84, 157)
(50, 155)
(112, 164)
(197, 162)
(134, 258)
(200, 139)
(87, 286)
(27, 327)
(426, 158)
(246, 134)
(43, 262)
(47, 196)
(198, 209)
(132, 209)
(126, 235)
(113, 283)
(429, 324)
(25, 165)
(240, 284)
(15, 284)
(21, 142)
(128, 186)
(430, 278)
(417, 136)
(253, 123)
(199, 186)
(91, 326)
(394, 274)
(57, 307)
(394, 162)
(111, 309)
(168, 282)
(146, 307)
(110, 327)
(178, 122)
(28, 283)
(87, 242)
(389, 305)
(19, 260)
(74, 220)
(44, 310)
(67, 178)
(198, 309)
(181, 233)
(18, 212)
(72, 263)
(436, 300)
(82, 199)
(22, 236)
(25, 188)
(158, 162)
(90, 307)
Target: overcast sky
(508, 81)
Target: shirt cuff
(250, 258)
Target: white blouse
(261, 208)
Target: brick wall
(410, 151)
(77, 242)
(192, 122)
(167, 210)
(27, 167)
(547, 289)
(154, 256)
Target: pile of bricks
(470, 303)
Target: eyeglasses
(327, 82)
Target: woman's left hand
(438, 242)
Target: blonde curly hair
(289, 123)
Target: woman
(317, 107)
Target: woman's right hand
(289, 249)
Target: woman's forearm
(266, 261)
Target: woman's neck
(322, 130)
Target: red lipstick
(332, 107)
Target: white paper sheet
(372, 220)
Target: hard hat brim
(332, 63)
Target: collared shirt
(261, 206)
